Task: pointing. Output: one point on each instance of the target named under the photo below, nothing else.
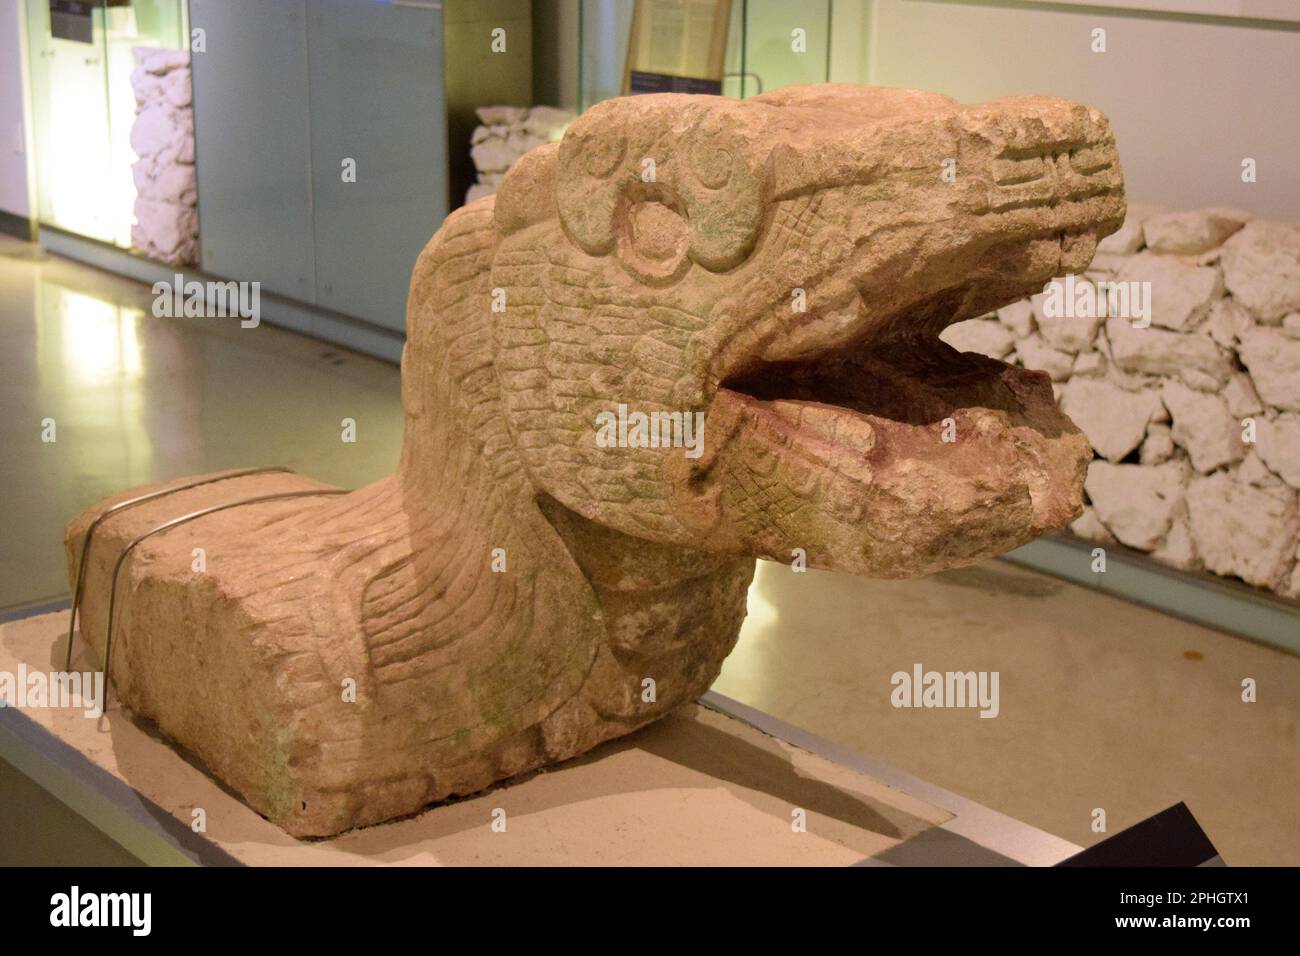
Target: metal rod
(121, 558)
(130, 503)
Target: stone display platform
(698, 788)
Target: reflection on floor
(1102, 705)
(133, 399)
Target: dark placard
(641, 82)
(72, 20)
(1171, 838)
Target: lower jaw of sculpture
(904, 427)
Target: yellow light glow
(763, 614)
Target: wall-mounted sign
(73, 20)
(677, 46)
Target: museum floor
(1102, 704)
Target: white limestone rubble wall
(1195, 418)
(506, 133)
(166, 204)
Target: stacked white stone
(1218, 366)
(166, 213)
(506, 134)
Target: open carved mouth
(860, 407)
(861, 416)
(870, 397)
(862, 393)
(924, 456)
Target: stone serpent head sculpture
(781, 266)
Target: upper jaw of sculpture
(861, 385)
(925, 457)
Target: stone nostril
(656, 231)
(653, 235)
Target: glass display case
(83, 106)
(768, 43)
(351, 181)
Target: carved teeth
(856, 433)
(815, 418)
(824, 421)
(792, 412)
(838, 426)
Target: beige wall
(1189, 96)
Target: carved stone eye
(711, 164)
(653, 238)
(602, 155)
